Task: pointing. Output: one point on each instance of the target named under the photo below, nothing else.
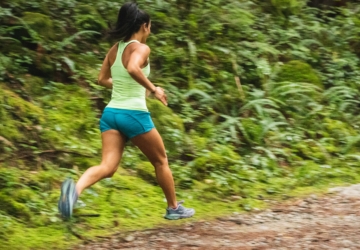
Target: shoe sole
(177, 217)
(62, 200)
(70, 195)
(65, 201)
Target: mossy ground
(131, 200)
(126, 203)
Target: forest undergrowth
(263, 104)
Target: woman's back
(126, 93)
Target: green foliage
(146, 171)
(263, 98)
(297, 71)
(40, 23)
(169, 125)
(88, 18)
(218, 157)
(288, 7)
(253, 129)
(14, 208)
(17, 114)
(33, 86)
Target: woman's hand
(159, 93)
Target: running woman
(125, 70)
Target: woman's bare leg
(113, 143)
(152, 146)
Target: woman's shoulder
(112, 53)
(141, 48)
(113, 49)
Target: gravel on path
(329, 222)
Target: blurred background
(263, 102)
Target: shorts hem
(104, 130)
(145, 131)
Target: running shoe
(68, 198)
(180, 212)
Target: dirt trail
(330, 222)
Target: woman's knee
(161, 163)
(111, 174)
(109, 171)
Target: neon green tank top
(126, 93)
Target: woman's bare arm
(138, 58)
(104, 78)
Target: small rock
(303, 204)
(129, 238)
(347, 243)
(114, 241)
(314, 197)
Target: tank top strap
(131, 41)
(123, 45)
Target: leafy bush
(297, 71)
(263, 97)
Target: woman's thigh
(151, 144)
(113, 143)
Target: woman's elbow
(132, 70)
(100, 81)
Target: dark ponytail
(130, 19)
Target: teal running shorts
(128, 122)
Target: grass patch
(126, 203)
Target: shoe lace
(181, 202)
